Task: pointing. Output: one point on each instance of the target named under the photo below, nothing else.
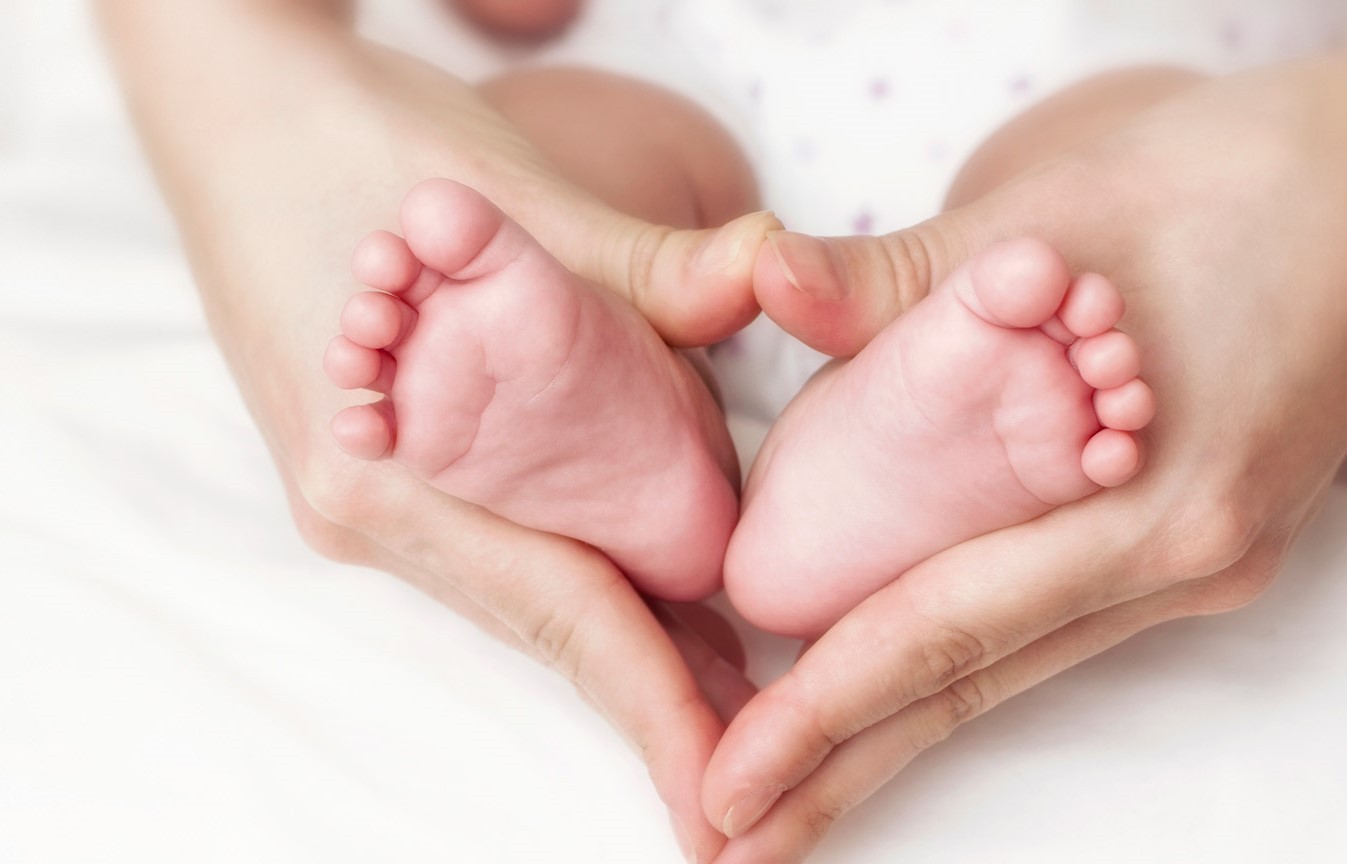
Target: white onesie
(858, 114)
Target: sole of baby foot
(514, 384)
(1002, 395)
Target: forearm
(267, 110)
(221, 91)
(227, 97)
(1063, 121)
(267, 122)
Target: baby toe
(1092, 306)
(1110, 458)
(365, 431)
(1108, 360)
(383, 261)
(450, 226)
(1018, 283)
(1128, 407)
(351, 366)
(373, 319)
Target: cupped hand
(649, 668)
(275, 168)
(1220, 214)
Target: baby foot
(515, 385)
(1002, 395)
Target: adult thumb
(836, 293)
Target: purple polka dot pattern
(873, 78)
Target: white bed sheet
(181, 680)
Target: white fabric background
(180, 680)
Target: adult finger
(693, 285)
(714, 629)
(835, 294)
(859, 767)
(953, 614)
(576, 610)
(347, 546)
(721, 678)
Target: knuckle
(910, 260)
(640, 271)
(572, 622)
(818, 818)
(1240, 589)
(319, 502)
(963, 700)
(332, 486)
(951, 655)
(556, 639)
(1206, 539)
(322, 535)
(940, 714)
(1240, 585)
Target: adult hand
(1220, 214)
(281, 139)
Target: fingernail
(684, 839)
(774, 241)
(724, 250)
(745, 812)
(721, 250)
(812, 268)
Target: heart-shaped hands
(1232, 269)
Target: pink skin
(516, 385)
(1002, 395)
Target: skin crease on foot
(515, 385)
(1004, 394)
